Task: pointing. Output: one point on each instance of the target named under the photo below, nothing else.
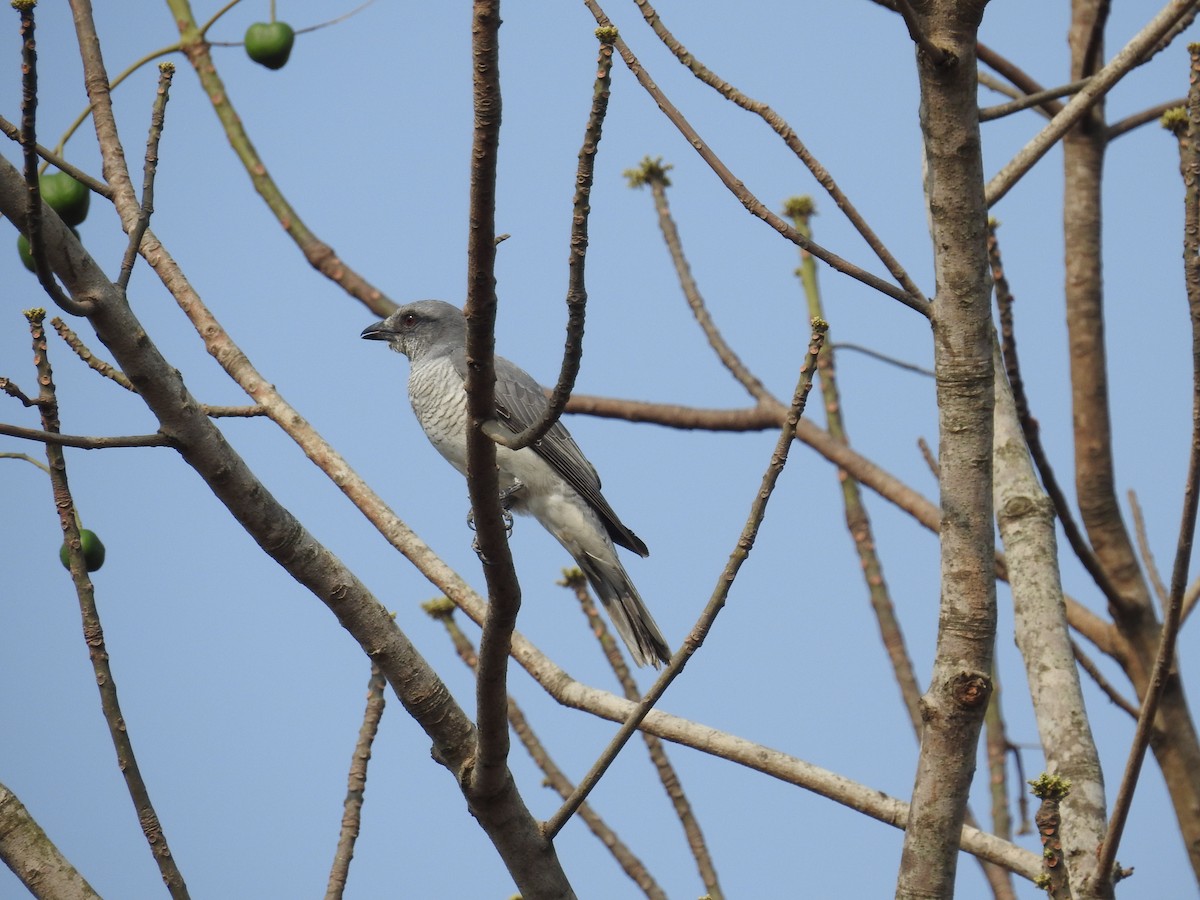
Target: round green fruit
(93, 551)
(65, 196)
(26, 253)
(270, 43)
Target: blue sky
(241, 692)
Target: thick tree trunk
(954, 705)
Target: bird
(550, 480)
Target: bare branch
(83, 352)
(1164, 662)
(84, 442)
(1089, 666)
(790, 138)
(1032, 432)
(93, 633)
(166, 72)
(33, 858)
(33, 218)
(991, 113)
(654, 173)
(1145, 117)
(1005, 67)
(576, 290)
(716, 603)
(1143, 542)
(489, 768)
(356, 784)
(1079, 106)
(443, 610)
(576, 582)
(319, 254)
(739, 189)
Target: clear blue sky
(241, 692)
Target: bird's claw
(506, 496)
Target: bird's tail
(629, 614)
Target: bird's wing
(520, 401)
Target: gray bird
(551, 480)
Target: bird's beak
(377, 332)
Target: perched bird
(551, 480)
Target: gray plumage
(551, 480)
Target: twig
(882, 357)
(1115, 697)
(319, 254)
(652, 172)
(739, 189)
(1129, 57)
(993, 83)
(33, 215)
(704, 624)
(166, 72)
(1015, 74)
(991, 113)
(1143, 542)
(997, 744)
(575, 581)
(83, 352)
(84, 442)
(118, 727)
(356, 784)
(29, 459)
(443, 611)
(800, 210)
(1145, 117)
(780, 126)
(9, 387)
(1022, 799)
(305, 30)
(1172, 614)
(1190, 596)
(13, 132)
(576, 288)
(233, 412)
(930, 459)
(1029, 426)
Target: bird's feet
(506, 496)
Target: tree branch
(1082, 103)
(320, 255)
(739, 189)
(716, 603)
(576, 290)
(93, 633)
(789, 137)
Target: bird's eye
(408, 320)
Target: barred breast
(440, 403)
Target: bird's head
(418, 329)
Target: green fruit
(26, 253)
(65, 196)
(270, 43)
(93, 551)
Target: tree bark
(1175, 744)
(953, 707)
